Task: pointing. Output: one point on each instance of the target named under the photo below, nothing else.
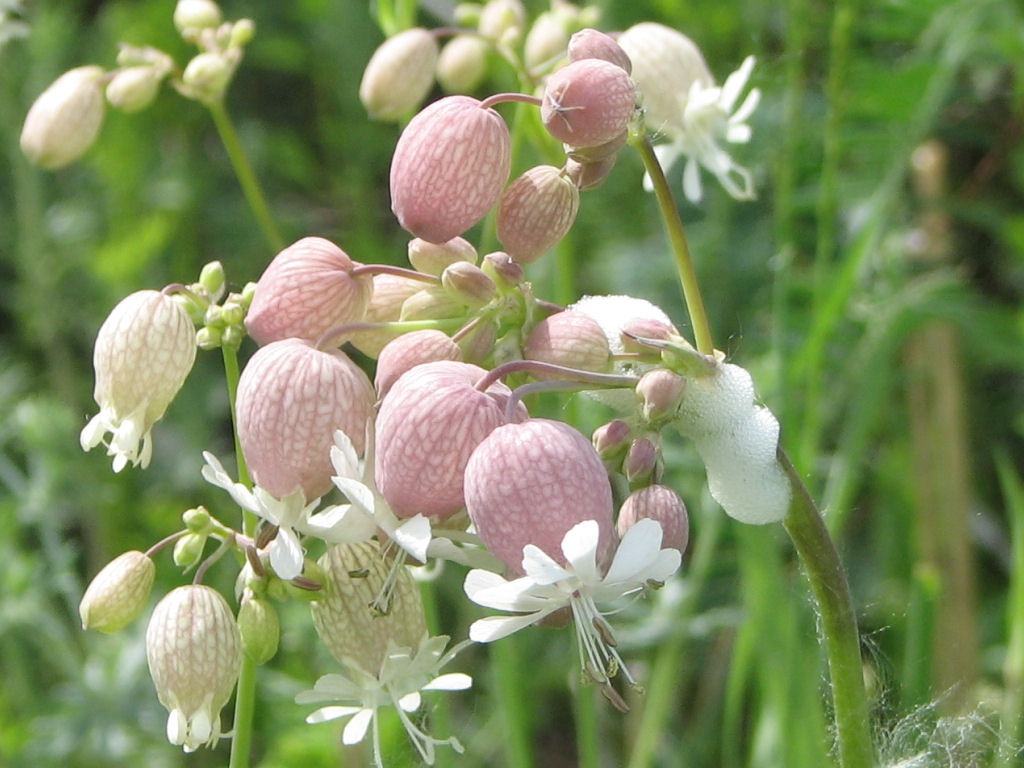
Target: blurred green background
(873, 289)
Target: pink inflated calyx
(449, 167)
(529, 483)
(593, 44)
(588, 103)
(660, 503)
(408, 351)
(570, 339)
(291, 399)
(536, 212)
(306, 291)
(426, 429)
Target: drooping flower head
(536, 212)
(683, 104)
(144, 351)
(195, 653)
(588, 103)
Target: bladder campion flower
(118, 593)
(65, 120)
(144, 351)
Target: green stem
(246, 176)
(831, 590)
(588, 737)
(245, 691)
(514, 706)
(680, 248)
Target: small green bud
(260, 628)
(195, 15)
(134, 88)
(462, 64)
(209, 338)
(233, 314)
(118, 593)
(207, 76)
(212, 279)
(197, 520)
(189, 549)
(242, 33)
(467, 14)
(232, 336)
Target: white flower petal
(324, 714)
(540, 568)
(410, 702)
(414, 536)
(579, 545)
(521, 595)
(286, 554)
(691, 181)
(746, 109)
(492, 628)
(341, 523)
(453, 681)
(637, 549)
(355, 730)
(356, 492)
(343, 456)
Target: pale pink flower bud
(427, 427)
(611, 438)
(468, 284)
(645, 328)
(503, 269)
(660, 503)
(449, 167)
(291, 399)
(660, 392)
(641, 460)
(356, 576)
(432, 258)
(529, 483)
(588, 102)
(194, 653)
(591, 44)
(65, 120)
(665, 64)
(118, 593)
(306, 291)
(408, 351)
(536, 212)
(462, 65)
(432, 303)
(399, 75)
(143, 354)
(589, 175)
(389, 294)
(568, 338)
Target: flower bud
(502, 20)
(432, 258)
(613, 313)
(213, 279)
(606, 151)
(468, 284)
(660, 392)
(478, 342)
(242, 33)
(144, 351)
(592, 44)
(641, 462)
(408, 351)
(661, 503)
(589, 174)
(118, 593)
(259, 628)
(389, 294)
(449, 167)
(546, 41)
(65, 120)
(536, 212)
(291, 398)
(611, 439)
(645, 328)
(343, 617)
(432, 303)
(188, 550)
(529, 483)
(427, 427)
(500, 267)
(306, 291)
(665, 64)
(134, 88)
(399, 75)
(568, 338)
(196, 14)
(462, 64)
(194, 653)
(207, 76)
(588, 102)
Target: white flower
(639, 562)
(292, 515)
(403, 675)
(708, 115)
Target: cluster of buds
(66, 118)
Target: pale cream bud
(65, 120)
(207, 76)
(462, 64)
(134, 88)
(399, 75)
(196, 14)
(260, 628)
(432, 258)
(118, 593)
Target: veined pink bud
(462, 65)
(389, 294)
(641, 462)
(194, 653)
(432, 258)
(356, 575)
(427, 427)
(536, 212)
(291, 399)
(611, 439)
(665, 63)
(143, 354)
(645, 328)
(65, 120)
(661, 503)
(568, 338)
(591, 44)
(305, 291)
(588, 102)
(529, 483)
(408, 351)
(501, 267)
(660, 392)
(449, 167)
(399, 75)
(468, 284)
(588, 174)
(118, 593)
